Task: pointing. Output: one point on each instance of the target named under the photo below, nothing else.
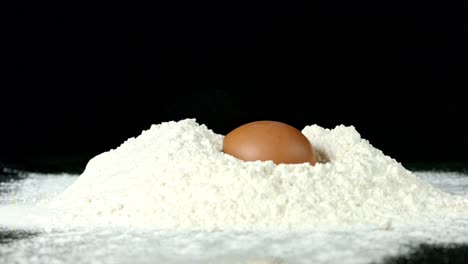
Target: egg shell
(269, 140)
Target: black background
(85, 78)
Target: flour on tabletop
(175, 176)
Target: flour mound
(175, 176)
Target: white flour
(175, 176)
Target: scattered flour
(175, 176)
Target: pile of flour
(175, 176)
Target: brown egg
(269, 140)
